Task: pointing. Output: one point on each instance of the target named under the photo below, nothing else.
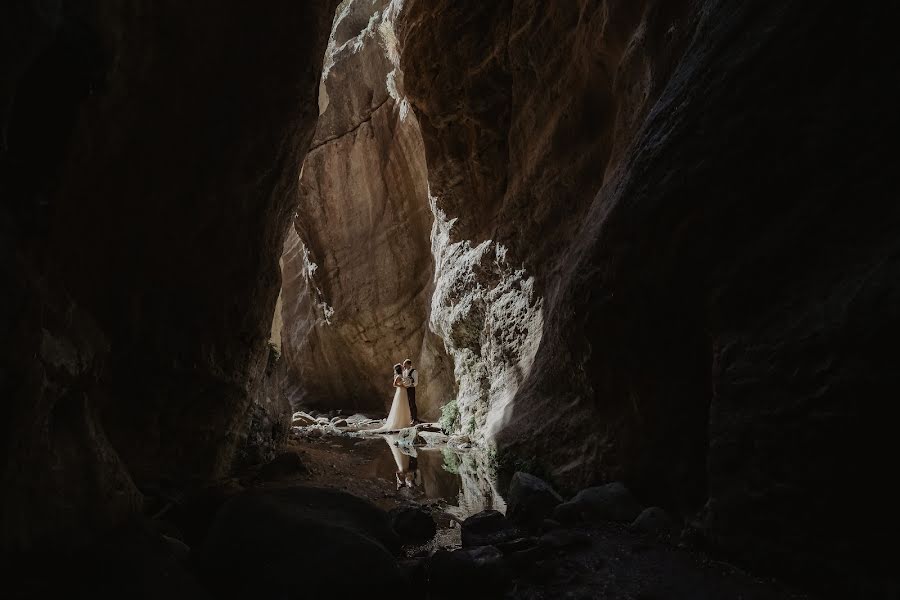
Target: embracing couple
(403, 410)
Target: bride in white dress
(399, 417)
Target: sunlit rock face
(679, 205)
(358, 269)
(524, 111)
(148, 172)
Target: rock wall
(524, 114)
(148, 172)
(358, 271)
(664, 256)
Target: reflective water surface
(464, 479)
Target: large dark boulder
(195, 511)
(297, 542)
(287, 465)
(475, 572)
(132, 561)
(610, 502)
(413, 523)
(654, 520)
(530, 500)
(487, 528)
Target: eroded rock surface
(358, 274)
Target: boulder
(530, 500)
(517, 545)
(301, 418)
(128, 563)
(194, 516)
(413, 523)
(654, 520)
(407, 437)
(415, 570)
(489, 527)
(359, 419)
(432, 438)
(179, 549)
(287, 465)
(479, 572)
(300, 540)
(549, 525)
(524, 560)
(560, 539)
(567, 513)
(610, 502)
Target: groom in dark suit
(411, 377)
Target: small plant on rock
(449, 416)
(451, 461)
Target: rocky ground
(326, 518)
(599, 544)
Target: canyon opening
(514, 299)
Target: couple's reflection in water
(407, 460)
(466, 479)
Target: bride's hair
(398, 369)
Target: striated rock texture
(148, 172)
(358, 273)
(664, 256)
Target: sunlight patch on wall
(490, 319)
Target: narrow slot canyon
(636, 265)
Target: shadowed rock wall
(149, 165)
(669, 255)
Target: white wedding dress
(399, 417)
